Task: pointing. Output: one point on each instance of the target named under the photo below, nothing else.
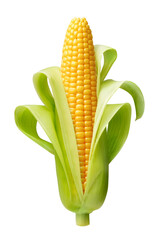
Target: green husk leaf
(137, 96)
(118, 130)
(111, 112)
(108, 88)
(65, 121)
(97, 179)
(110, 56)
(103, 152)
(26, 118)
(43, 91)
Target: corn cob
(78, 73)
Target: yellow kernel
(87, 145)
(79, 118)
(88, 139)
(87, 113)
(93, 93)
(66, 89)
(72, 79)
(86, 66)
(80, 72)
(86, 50)
(83, 174)
(93, 108)
(80, 140)
(75, 53)
(81, 159)
(85, 45)
(89, 36)
(80, 35)
(72, 105)
(72, 110)
(81, 146)
(86, 55)
(80, 89)
(74, 63)
(85, 97)
(86, 102)
(75, 33)
(87, 123)
(84, 29)
(79, 112)
(80, 135)
(94, 103)
(79, 29)
(79, 106)
(87, 87)
(87, 118)
(79, 40)
(86, 169)
(80, 50)
(72, 84)
(82, 169)
(93, 98)
(73, 69)
(87, 107)
(74, 58)
(87, 76)
(87, 81)
(92, 68)
(87, 91)
(88, 129)
(81, 67)
(81, 152)
(93, 83)
(81, 56)
(85, 39)
(92, 57)
(86, 156)
(86, 61)
(83, 180)
(66, 84)
(80, 83)
(79, 96)
(69, 52)
(80, 44)
(80, 61)
(79, 124)
(72, 90)
(87, 151)
(93, 89)
(86, 71)
(84, 35)
(80, 77)
(91, 48)
(79, 101)
(73, 116)
(68, 73)
(88, 134)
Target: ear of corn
(78, 72)
(85, 132)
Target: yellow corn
(78, 72)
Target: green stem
(82, 219)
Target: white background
(32, 35)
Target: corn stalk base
(82, 219)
